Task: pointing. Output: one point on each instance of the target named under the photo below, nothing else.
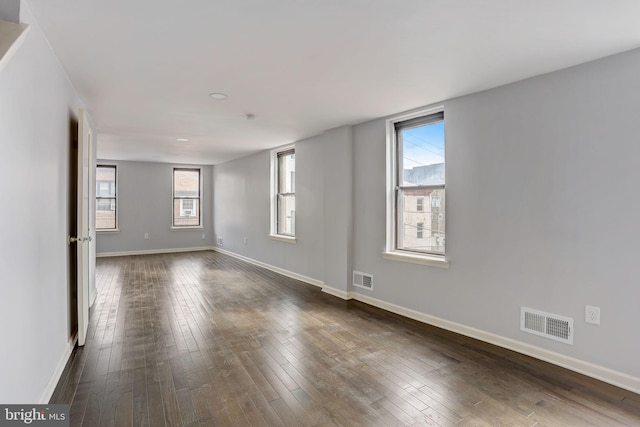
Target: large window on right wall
(416, 173)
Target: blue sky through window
(423, 145)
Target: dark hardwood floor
(203, 339)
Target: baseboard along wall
(153, 251)
(57, 373)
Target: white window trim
(188, 227)
(283, 238)
(117, 229)
(416, 258)
(273, 228)
(391, 252)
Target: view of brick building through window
(106, 200)
(423, 210)
(186, 197)
(420, 185)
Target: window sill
(431, 260)
(107, 231)
(281, 238)
(186, 228)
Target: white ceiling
(145, 68)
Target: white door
(84, 227)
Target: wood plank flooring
(204, 339)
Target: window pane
(421, 154)
(105, 214)
(106, 197)
(186, 183)
(186, 212)
(422, 230)
(286, 173)
(420, 184)
(104, 205)
(105, 181)
(287, 214)
(186, 197)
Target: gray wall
(10, 10)
(145, 206)
(241, 209)
(542, 210)
(337, 162)
(37, 104)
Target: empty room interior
(342, 212)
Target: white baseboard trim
(337, 292)
(57, 373)
(153, 251)
(93, 295)
(619, 379)
(273, 268)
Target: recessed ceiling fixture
(182, 139)
(218, 96)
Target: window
(416, 173)
(283, 164)
(186, 197)
(106, 198)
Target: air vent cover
(363, 280)
(552, 326)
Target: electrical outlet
(203, 236)
(219, 241)
(146, 235)
(592, 314)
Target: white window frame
(200, 198)
(273, 229)
(391, 252)
(117, 202)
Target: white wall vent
(363, 280)
(552, 326)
